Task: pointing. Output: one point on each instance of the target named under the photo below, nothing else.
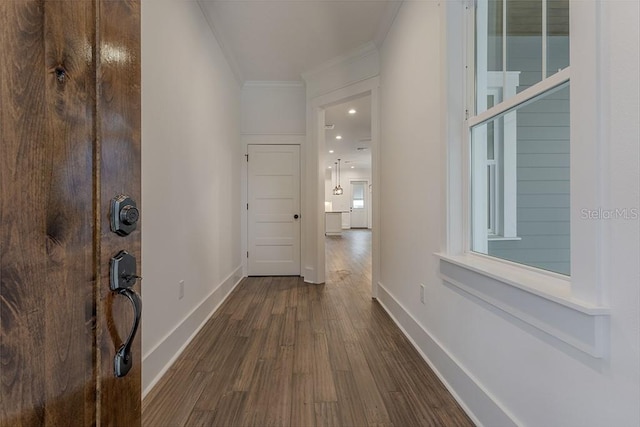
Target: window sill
(541, 300)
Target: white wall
(190, 183)
(504, 371)
(410, 152)
(273, 113)
(273, 108)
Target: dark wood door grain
(46, 186)
(54, 298)
(118, 112)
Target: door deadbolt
(124, 215)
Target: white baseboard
(159, 359)
(476, 401)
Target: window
(358, 197)
(519, 130)
(528, 96)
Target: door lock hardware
(124, 215)
(123, 362)
(123, 271)
(122, 277)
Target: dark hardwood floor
(280, 352)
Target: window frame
(502, 209)
(506, 218)
(573, 310)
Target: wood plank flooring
(280, 352)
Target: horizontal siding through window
(543, 159)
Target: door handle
(123, 362)
(122, 278)
(296, 216)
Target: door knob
(296, 216)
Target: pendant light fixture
(338, 190)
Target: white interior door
(359, 202)
(274, 210)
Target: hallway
(283, 352)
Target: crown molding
(393, 6)
(228, 54)
(273, 83)
(362, 51)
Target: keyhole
(61, 74)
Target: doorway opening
(346, 145)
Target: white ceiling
(275, 40)
(355, 131)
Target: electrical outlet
(421, 293)
(181, 289)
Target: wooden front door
(69, 143)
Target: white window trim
(572, 310)
(503, 215)
(522, 98)
(547, 305)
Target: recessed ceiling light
(352, 111)
(338, 136)
(329, 167)
(330, 152)
(353, 167)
